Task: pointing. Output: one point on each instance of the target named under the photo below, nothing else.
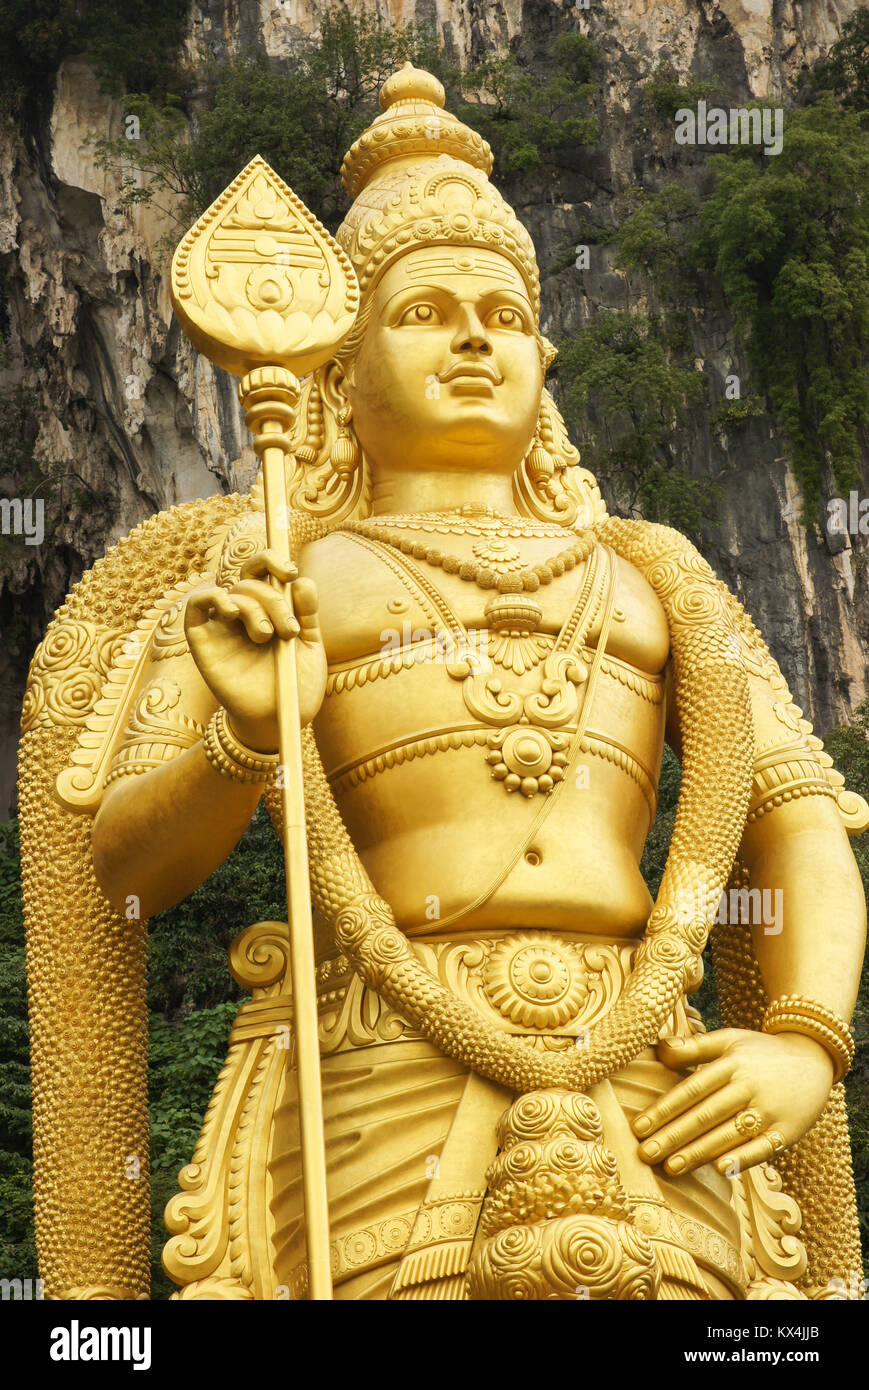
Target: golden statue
(479, 1076)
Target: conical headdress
(419, 177)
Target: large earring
(540, 461)
(344, 456)
(309, 451)
(547, 485)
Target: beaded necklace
(498, 564)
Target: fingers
(760, 1150)
(725, 1139)
(713, 1110)
(263, 610)
(689, 1052)
(703, 1082)
(203, 604)
(269, 562)
(306, 608)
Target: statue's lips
(476, 372)
(472, 381)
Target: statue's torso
(407, 758)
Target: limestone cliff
(132, 419)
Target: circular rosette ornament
(534, 980)
(526, 759)
(606, 1260)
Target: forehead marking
(462, 261)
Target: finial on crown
(411, 84)
(412, 127)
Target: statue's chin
(473, 447)
(485, 436)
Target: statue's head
(447, 370)
(446, 363)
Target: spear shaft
(270, 396)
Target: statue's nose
(470, 335)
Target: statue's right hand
(231, 634)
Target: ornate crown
(419, 176)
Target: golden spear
(263, 290)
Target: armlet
(790, 761)
(155, 732)
(124, 720)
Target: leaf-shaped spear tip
(258, 280)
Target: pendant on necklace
(514, 643)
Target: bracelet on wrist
(794, 1013)
(230, 757)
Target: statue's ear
(333, 381)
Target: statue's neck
(440, 490)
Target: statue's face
(448, 374)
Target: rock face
(129, 419)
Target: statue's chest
(374, 600)
(416, 655)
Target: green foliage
(785, 239)
(184, 1062)
(664, 94)
(659, 237)
(788, 240)
(188, 944)
(626, 395)
(525, 117)
(133, 47)
(845, 70)
(300, 116)
(729, 415)
(193, 1001)
(657, 845)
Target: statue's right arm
(161, 833)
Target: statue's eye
(507, 318)
(420, 314)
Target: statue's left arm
(751, 1093)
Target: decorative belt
(456, 1217)
(549, 986)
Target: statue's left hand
(749, 1096)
